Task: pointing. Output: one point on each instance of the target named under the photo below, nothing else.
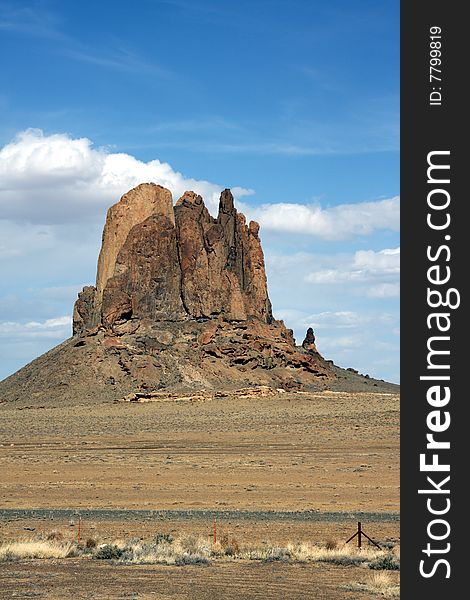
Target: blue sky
(295, 104)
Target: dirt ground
(324, 451)
(310, 453)
(59, 580)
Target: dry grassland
(325, 451)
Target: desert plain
(272, 469)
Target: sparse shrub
(129, 544)
(379, 583)
(385, 563)
(8, 556)
(55, 536)
(190, 543)
(229, 547)
(163, 538)
(300, 552)
(187, 550)
(109, 552)
(388, 545)
(232, 548)
(191, 559)
(193, 550)
(346, 561)
(274, 554)
(75, 550)
(217, 550)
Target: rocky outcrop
(179, 282)
(222, 264)
(158, 263)
(309, 342)
(134, 207)
(180, 303)
(83, 311)
(146, 282)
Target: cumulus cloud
(384, 261)
(384, 290)
(365, 266)
(55, 189)
(57, 328)
(56, 178)
(343, 319)
(329, 320)
(336, 223)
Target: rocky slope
(180, 303)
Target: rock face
(180, 303)
(163, 264)
(133, 208)
(222, 264)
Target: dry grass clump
(389, 562)
(36, 549)
(186, 550)
(193, 550)
(307, 552)
(338, 554)
(379, 583)
(230, 546)
(108, 552)
(55, 536)
(346, 554)
(269, 554)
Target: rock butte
(180, 303)
(160, 263)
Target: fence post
(359, 534)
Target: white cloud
(55, 189)
(365, 266)
(333, 320)
(333, 276)
(336, 223)
(343, 319)
(384, 261)
(34, 159)
(384, 290)
(57, 328)
(56, 178)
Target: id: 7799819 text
(435, 63)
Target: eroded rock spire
(165, 263)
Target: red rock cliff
(165, 263)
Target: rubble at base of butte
(180, 303)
